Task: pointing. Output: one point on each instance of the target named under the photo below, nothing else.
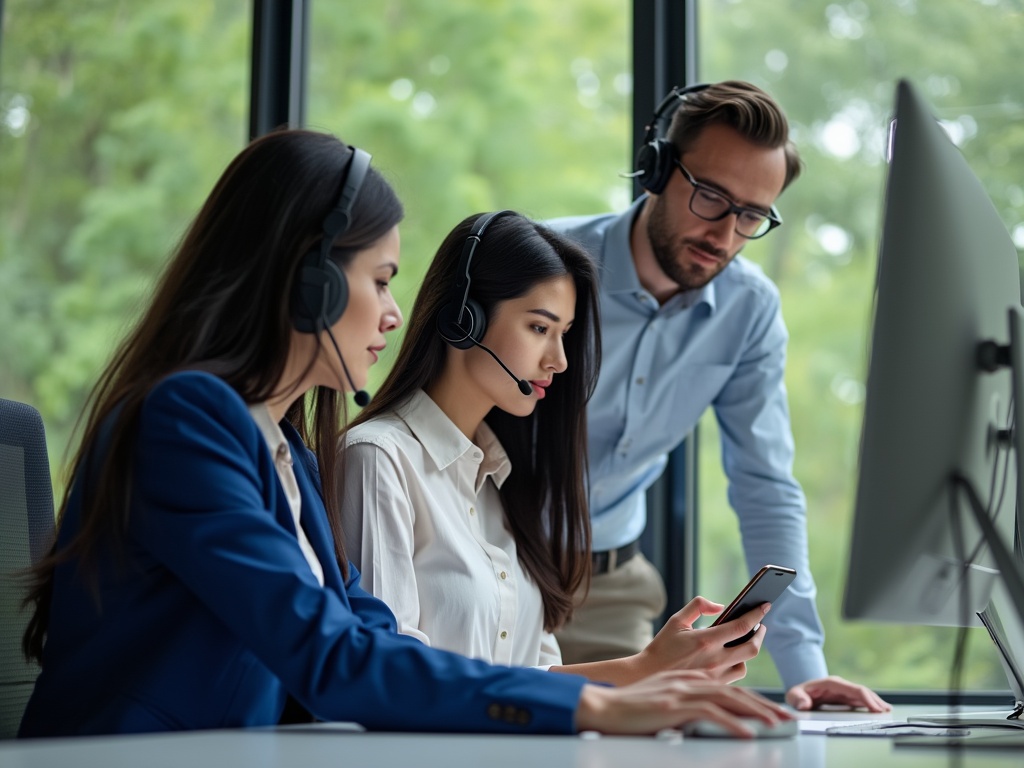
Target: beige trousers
(616, 617)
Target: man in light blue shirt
(686, 323)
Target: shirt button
(503, 575)
(640, 380)
(472, 511)
(504, 634)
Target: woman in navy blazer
(199, 578)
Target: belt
(603, 562)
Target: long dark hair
(221, 305)
(545, 497)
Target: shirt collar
(445, 444)
(271, 431)
(620, 275)
(619, 270)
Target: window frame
(665, 48)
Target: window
(115, 120)
(834, 67)
(468, 108)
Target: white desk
(316, 747)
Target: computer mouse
(707, 729)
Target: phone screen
(767, 586)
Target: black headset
(320, 294)
(654, 160)
(462, 322)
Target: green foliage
(836, 65)
(116, 118)
(471, 106)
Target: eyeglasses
(711, 205)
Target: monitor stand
(1004, 616)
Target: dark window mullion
(280, 51)
(665, 55)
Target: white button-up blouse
(278, 445)
(425, 525)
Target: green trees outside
(470, 106)
(834, 67)
(116, 118)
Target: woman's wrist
(643, 664)
(592, 709)
(636, 667)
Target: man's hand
(835, 690)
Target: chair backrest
(26, 532)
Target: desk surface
(321, 746)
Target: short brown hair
(741, 106)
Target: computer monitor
(934, 522)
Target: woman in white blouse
(463, 482)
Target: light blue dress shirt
(722, 346)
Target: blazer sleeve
(199, 508)
(374, 613)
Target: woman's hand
(669, 700)
(679, 646)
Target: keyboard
(892, 730)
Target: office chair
(26, 532)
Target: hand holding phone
(767, 586)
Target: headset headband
(460, 290)
(338, 220)
(677, 96)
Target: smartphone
(767, 586)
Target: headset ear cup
(655, 161)
(320, 294)
(307, 295)
(337, 292)
(472, 328)
(646, 163)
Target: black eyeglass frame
(772, 215)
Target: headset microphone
(524, 386)
(362, 397)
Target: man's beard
(670, 255)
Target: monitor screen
(947, 278)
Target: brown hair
(545, 496)
(222, 305)
(741, 106)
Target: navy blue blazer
(213, 615)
